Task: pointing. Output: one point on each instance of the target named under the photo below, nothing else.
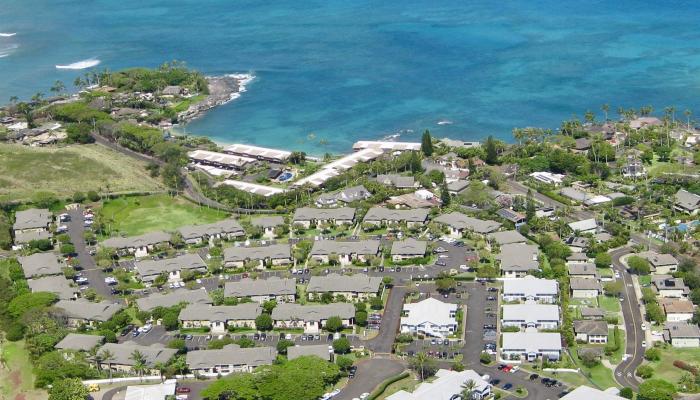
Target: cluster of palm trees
(140, 366)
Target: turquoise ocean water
(344, 70)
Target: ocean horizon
(330, 73)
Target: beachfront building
(281, 290)
(518, 259)
(228, 229)
(447, 385)
(308, 217)
(254, 188)
(530, 315)
(379, 216)
(358, 287)
(220, 160)
(40, 264)
(122, 359)
(219, 318)
(138, 246)
(430, 317)
(344, 252)
(272, 255)
(149, 270)
(82, 312)
(459, 224)
(409, 249)
(386, 146)
(232, 358)
(531, 345)
(258, 153)
(530, 288)
(311, 318)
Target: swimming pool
(285, 176)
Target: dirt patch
(16, 379)
(20, 397)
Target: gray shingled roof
(308, 214)
(150, 269)
(233, 355)
(461, 221)
(583, 269)
(196, 312)
(83, 309)
(79, 342)
(26, 237)
(363, 247)
(668, 282)
(122, 352)
(261, 287)
(359, 283)
(275, 251)
(39, 264)
(592, 312)
(33, 218)
(518, 257)
(267, 222)
(56, 284)
(409, 247)
(197, 296)
(590, 327)
(687, 200)
(318, 350)
(226, 227)
(147, 239)
(682, 330)
(352, 194)
(385, 214)
(584, 284)
(658, 259)
(396, 180)
(288, 312)
(508, 237)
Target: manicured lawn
(664, 368)
(605, 272)
(616, 357)
(66, 170)
(17, 381)
(592, 302)
(609, 304)
(408, 384)
(598, 375)
(645, 280)
(141, 214)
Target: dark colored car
(507, 386)
(182, 390)
(534, 377)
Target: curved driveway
(624, 373)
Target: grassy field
(664, 368)
(141, 214)
(599, 375)
(17, 381)
(609, 304)
(66, 170)
(645, 280)
(408, 384)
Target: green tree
(423, 365)
(68, 389)
(491, 151)
(283, 345)
(445, 197)
(360, 318)
(376, 303)
(139, 365)
(652, 354)
(334, 324)
(645, 371)
(344, 363)
(627, 393)
(445, 283)
(530, 209)
(656, 389)
(341, 345)
(263, 322)
(426, 145)
(603, 260)
(639, 265)
(469, 389)
(613, 288)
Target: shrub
(485, 358)
(686, 367)
(652, 354)
(341, 346)
(645, 371)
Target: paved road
(90, 270)
(624, 373)
(391, 319)
(370, 373)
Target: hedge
(382, 387)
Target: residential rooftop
(358, 283)
(461, 221)
(261, 287)
(197, 296)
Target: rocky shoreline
(222, 89)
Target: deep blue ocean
(334, 71)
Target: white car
(363, 396)
(464, 267)
(644, 343)
(617, 275)
(199, 281)
(644, 326)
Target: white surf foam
(444, 122)
(8, 50)
(2, 34)
(89, 63)
(243, 80)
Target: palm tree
(468, 389)
(160, 367)
(606, 109)
(58, 87)
(14, 99)
(139, 363)
(421, 360)
(108, 356)
(97, 357)
(687, 114)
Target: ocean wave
(2, 34)
(8, 50)
(89, 63)
(243, 80)
(444, 122)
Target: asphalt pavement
(370, 373)
(624, 373)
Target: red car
(507, 368)
(183, 390)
